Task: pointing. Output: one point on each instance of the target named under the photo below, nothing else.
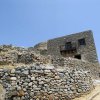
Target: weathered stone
(26, 72)
(57, 81)
(47, 71)
(13, 71)
(30, 84)
(79, 44)
(49, 76)
(13, 78)
(60, 69)
(21, 93)
(32, 78)
(49, 67)
(19, 88)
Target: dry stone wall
(44, 82)
(94, 68)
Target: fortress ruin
(60, 69)
(80, 45)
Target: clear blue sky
(27, 22)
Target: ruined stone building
(80, 45)
(34, 75)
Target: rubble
(13, 55)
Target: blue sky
(27, 22)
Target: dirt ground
(94, 95)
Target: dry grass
(7, 66)
(1, 88)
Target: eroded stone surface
(34, 82)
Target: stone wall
(94, 68)
(87, 52)
(45, 82)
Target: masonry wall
(88, 51)
(94, 68)
(44, 82)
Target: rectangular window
(78, 56)
(82, 41)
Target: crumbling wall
(94, 68)
(45, 82)
(13, 55)
(41, 48)
(87, 52)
